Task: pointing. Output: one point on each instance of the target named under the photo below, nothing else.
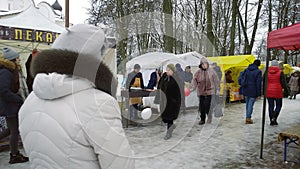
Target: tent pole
(264, 103)
(67, 13)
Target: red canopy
(287, 38)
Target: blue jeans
(274, 112)
(249, 105)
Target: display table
(125, 95)
(290, 136)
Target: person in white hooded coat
(71, 119)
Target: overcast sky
(78, 9)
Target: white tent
(30, 18)
(191, 58)
(154, 60)
(150, 61)
(26, 30)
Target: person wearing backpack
(250, 86)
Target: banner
(30, 35)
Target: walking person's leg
(247, 104)
(207, 108)
(202, 110)
(271, 110)
(15, 155)
(170, 127)
(248, 114)
(277, 109)
(249, 109)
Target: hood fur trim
(64, 62)
(7, 64)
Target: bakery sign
(30, 35)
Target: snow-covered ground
(226, 143)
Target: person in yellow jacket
(135, 79)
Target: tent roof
(30, 18)
(191, 58)
(287, 38)
(154, 60)
(227, 62)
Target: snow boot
(169, 132)
(248, 121)
(17, 158)
(201, 122)
(272, 119)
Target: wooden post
(67, 14)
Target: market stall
(153, 60)
(235, 64)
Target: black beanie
(257, 62)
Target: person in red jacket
(276, 82)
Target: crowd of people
(171, 91)
(52, 108)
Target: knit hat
(257, 62)
(83, 39)
(136, 66)
(274, 63)
(171, 67)
(9, 53)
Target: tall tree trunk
(249, 49)
(233, 26)
(121, 24)
(209, 29)
(168, 36)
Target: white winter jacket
(66, 123)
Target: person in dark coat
(169, 98)
(276, 82)
(10, 102)
(252, 89)
(135, 79)
(181, 75)
(217, 70)
(154, 79)
(29, 79)
(188, 75)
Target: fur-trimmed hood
(4, 63)
(71, 63)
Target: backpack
(242, 80)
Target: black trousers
(13, 132)
(204, 106)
